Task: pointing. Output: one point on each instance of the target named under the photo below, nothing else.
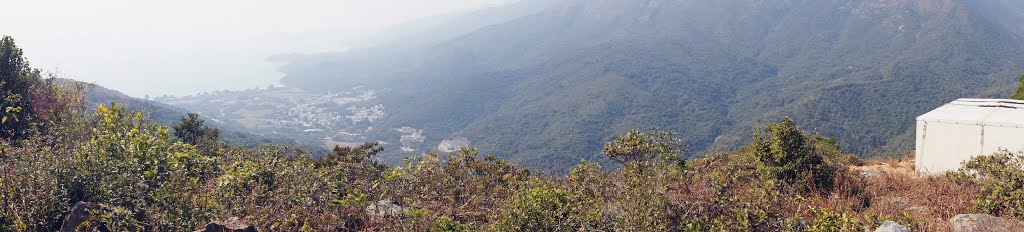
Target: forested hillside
(532, 88)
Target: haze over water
(185, 47)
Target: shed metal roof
(992, 112)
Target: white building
(964, 128)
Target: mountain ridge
(711, 70)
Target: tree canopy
(637, 146)
(788, 155)
(193, 130)
(1019, 95)
(16, 81)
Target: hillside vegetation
(55, 152)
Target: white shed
(965, 128)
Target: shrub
(830, 221)
(1002, 178)
(463, 186)
(636, 146)
(446, 224)
(795, 160)
(132, 164)
(280, 188)
(193, 130)
(31, 195)
(543, 207)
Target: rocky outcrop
(983, 222)
(891, 226)
(233, 224)
(79, 214)
(384, 209)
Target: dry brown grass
(903, 165)
(892, 188)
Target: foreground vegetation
(145, 177)
(147, 180)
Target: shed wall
(943, 146)
(919, 146)
(1003, 138)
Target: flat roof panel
(996, 112)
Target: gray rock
(868, 174)
(899, 200)
(80, 214)
(384, 209)
(983, 222)
(891, 226)
(233, 224)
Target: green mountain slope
(544, 89)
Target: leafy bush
(1002, 177)
(131, 164)
(830, 221)
(542, 207)
(445, 224)
(636, 146)
(463, 186)
(193, 130)
(796, 160)
(33, 196)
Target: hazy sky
(188, 46)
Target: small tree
(193, 130)
(1019, 95)
(16, 80)
(1002, 179)
(787, 155)
(637, 146)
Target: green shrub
(831, 221)
(1002, 178)
(192, 130)
(636, 146)
(795, 160)
(31, 195)
(543, 207)
(446, 224)
(132, 164)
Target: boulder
(233, 224)
(891, 226)
(983, 222)
(384, 209)
(80, 214)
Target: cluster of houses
(334, 117)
